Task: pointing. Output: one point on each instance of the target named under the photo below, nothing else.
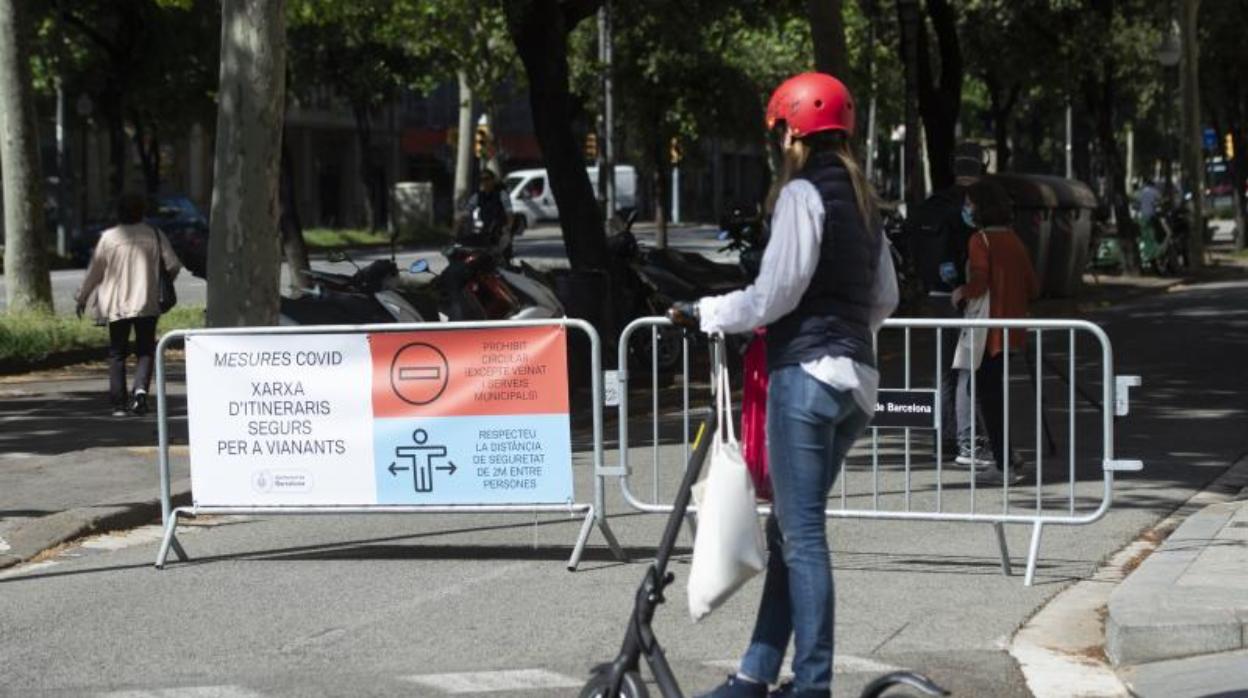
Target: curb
(1150, 619)
(47, 532)
(1061, 649)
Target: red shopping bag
(754, 414)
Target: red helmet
(810, 103)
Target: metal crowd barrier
(594, 512)
(928, 489)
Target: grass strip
(343, 238)
(34, 336)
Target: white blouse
(789, 262)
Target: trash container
(1070, 233)
(1034, 202)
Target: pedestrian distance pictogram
(419, 373)
(422, 459)
(437, 417)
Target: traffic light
(591, 146)
(481, 144)
(1230, 147)
(675, 151)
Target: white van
(531, 197)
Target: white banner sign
(441, 417)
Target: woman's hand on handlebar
(684, 313)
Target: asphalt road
(541, 245)
(445, 605)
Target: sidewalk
(68, 468)
(1178, 625)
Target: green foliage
(367, 50)
(163, 54)
(31, 337)
(149, 67)
(691, 70)
(360, 50)
(469, 36)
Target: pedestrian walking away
(939, 234)
(122, 289)
(825, 286)
(998, 267)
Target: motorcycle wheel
(631, 687)
(667, 362)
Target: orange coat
(1001, 266)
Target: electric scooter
(621, 678)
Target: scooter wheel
(631, 687)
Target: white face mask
(968, 216)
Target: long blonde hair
(794, 158)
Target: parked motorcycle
(373, 294)
(482, 281)
(745, 229)
(641, 292)
(648, 281)
(910, 288)
(1164, 250)
(1168, 256)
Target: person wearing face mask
(938, 233)
(999, 265)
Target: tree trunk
(1101, 102)
(293, 247)
(463, 146)
(1239, 172)
(244, 259)
(866, 137)
(117, 151)
(1000, 106)
(27, 282)
(364, 141)
(827, 33)
(540, 31)
(1193, 150)
(940, 101)
(662, 194)
(149, 153)
(911, 24)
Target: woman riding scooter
(825, 285)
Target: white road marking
(841, 664)
(186, 692)
(490, 681)
(4, 546)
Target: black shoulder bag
(168, 294)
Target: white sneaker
(980, 455)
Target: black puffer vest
(833, 316)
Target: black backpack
(936, 234)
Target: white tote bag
(970, 349)
(729, 548)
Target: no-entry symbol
(419, 373)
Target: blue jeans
(810, 428)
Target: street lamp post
(606, 169)
(84, 107)
(62, 175)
